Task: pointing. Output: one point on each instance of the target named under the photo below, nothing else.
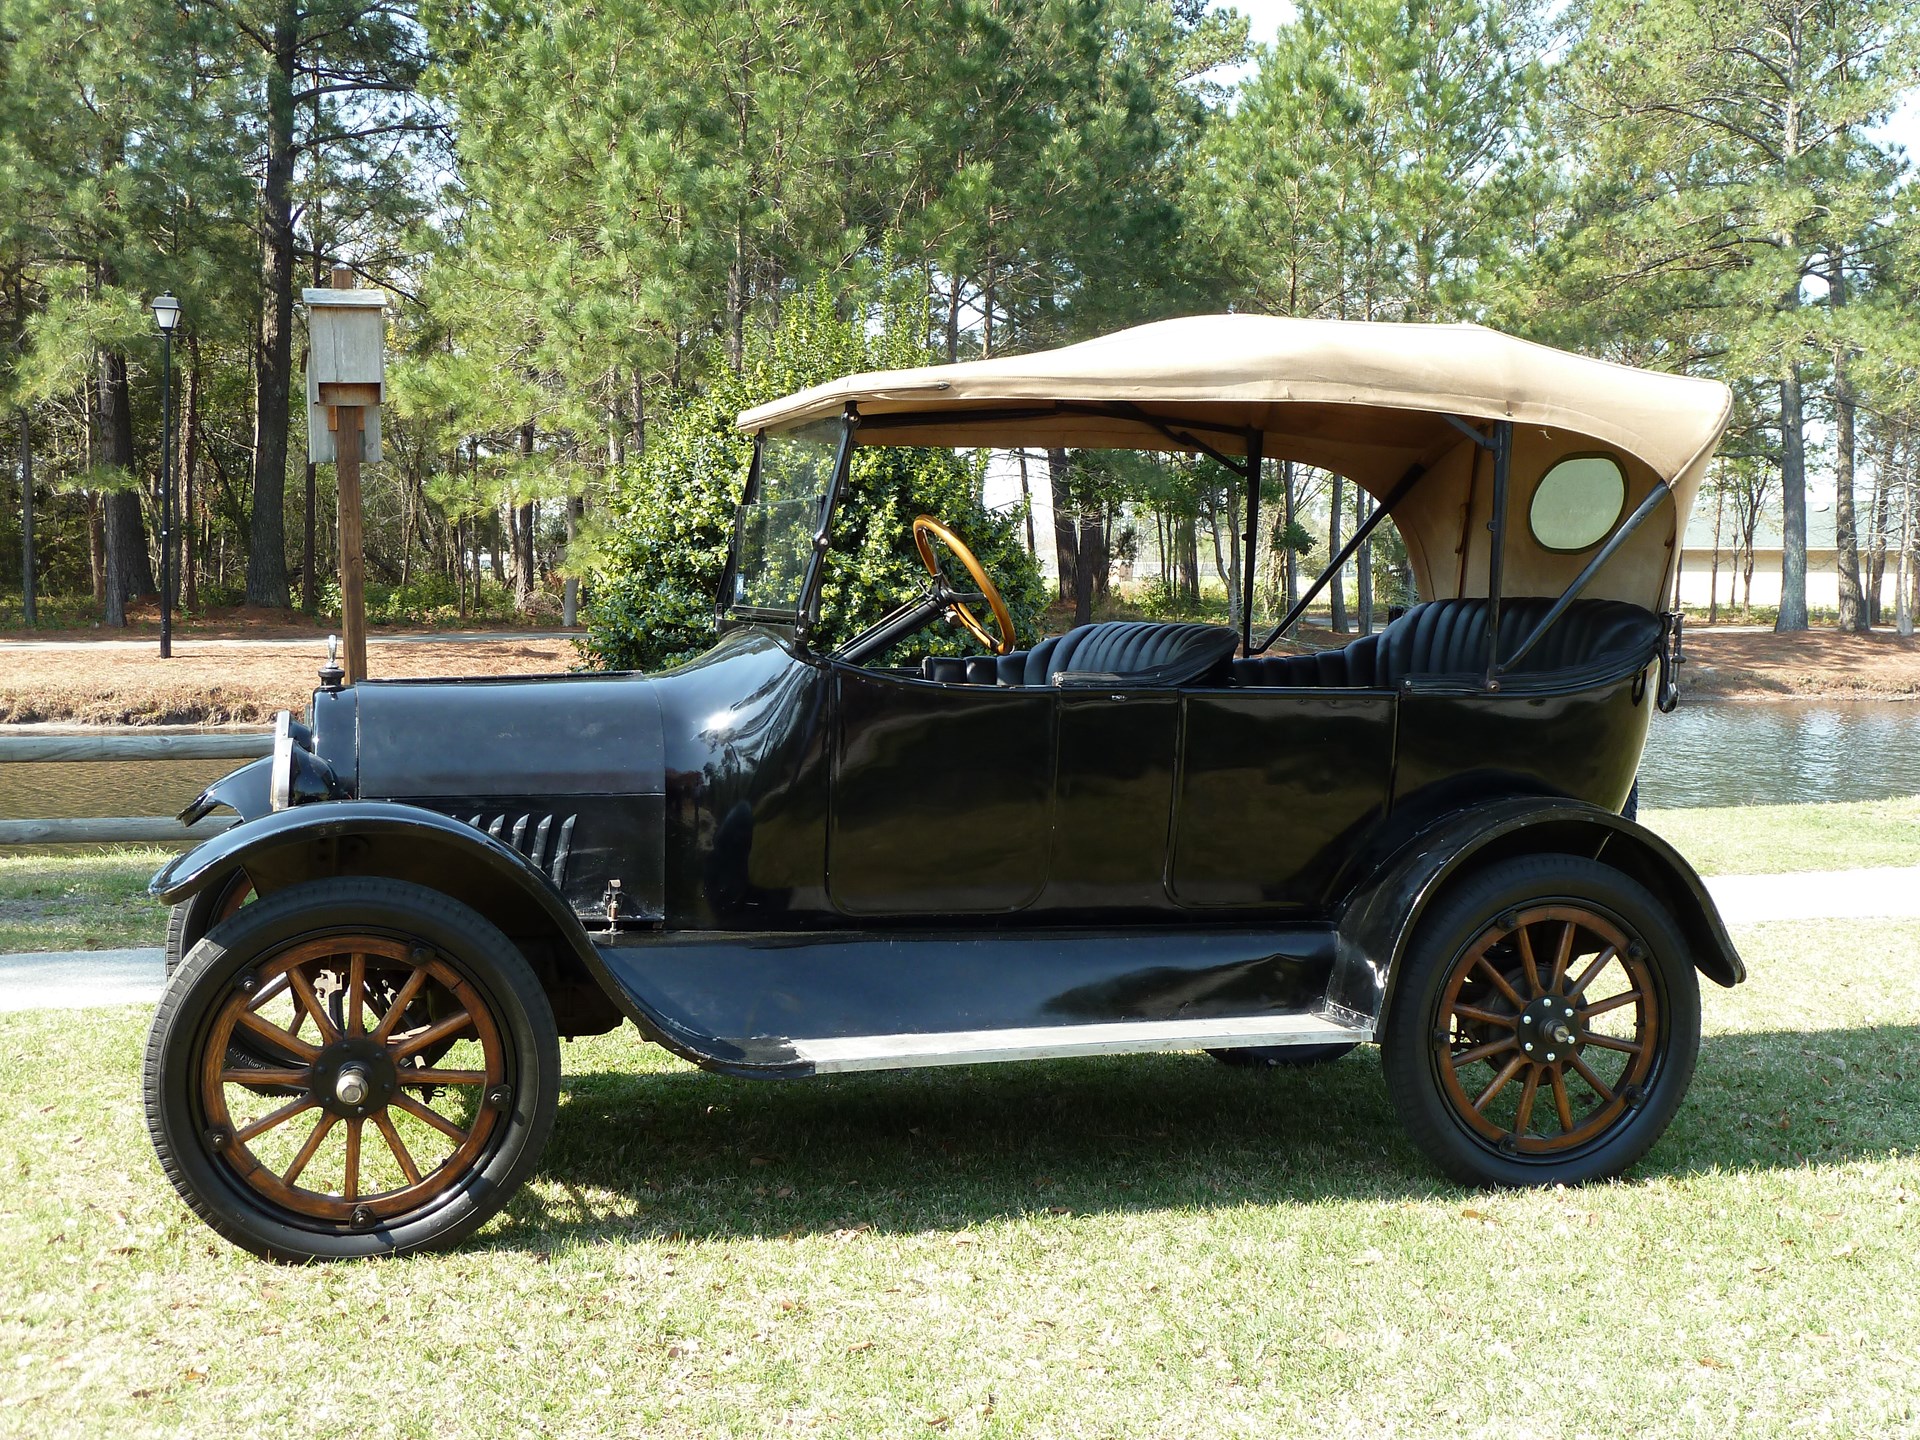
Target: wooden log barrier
(73, 749)
(112, 830)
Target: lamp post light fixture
(166, 315)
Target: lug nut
(352, 1088)
(1528, 1047)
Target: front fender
(248, 792)
(1383, 914)
(377, 837)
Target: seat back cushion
(1449, 637)
(1134, 652)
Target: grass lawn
(1774, 839)
(80, 900)
(1155, 1246)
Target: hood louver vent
(535, 849)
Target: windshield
(773, 533)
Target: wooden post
(353, 577)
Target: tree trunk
(1877, 545)
(1363, 558)
(1846, 545)
(1337, 590)
(1026, 503)
(1713, 575)
(29, 614)
(1903, 575)
(129, 566)
(97, 550)
(1288, 515)
(1065, 543)
(1793, 506)
(273, 361)
(523, 557)
(189, 490)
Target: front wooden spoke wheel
(394, 1080)
(1548, 1030)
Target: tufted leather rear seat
(1594, 639)
(1126, 652)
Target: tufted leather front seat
(1594, 640)
(1122, 652)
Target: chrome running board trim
(1052, 1042)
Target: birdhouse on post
(346, 382)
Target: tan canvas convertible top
(1369, 401)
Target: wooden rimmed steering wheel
(926, 530)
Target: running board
(1053, 1042)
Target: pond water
(1781, 753)
(1764, 754)
(113, 787)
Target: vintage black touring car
(781, 862)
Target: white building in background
(1823, 572)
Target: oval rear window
(1577, 502)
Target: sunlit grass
(1156, 1246)
(1776, 839)
(80, 900)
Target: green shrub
(651, 588)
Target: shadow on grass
(690, 1155)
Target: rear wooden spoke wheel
(413, 1081)
(1549, 1029)
(1543, 1025)
(370, 1130)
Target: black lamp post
(166, 314)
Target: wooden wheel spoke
(1499, 1082)
(272, 1118)
(1607, 1042)
(310, 1002)
(356, 993)
(1500, 983)
(272, 990)
(430, 1116)
(310, 1149)
(1528, 964)
(1625, 997)
(443, 1077)
(1482, 1052)
(264, 1077)
(1594, 967)
(1586, 1072)
(408, 992)
(1523, 1118)
(1563, 956)
(267, 1030)
(1485, 1017)
(398, 1147)
(443, 1030)
(350, 1187)
(1561, 1103)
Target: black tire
(1631, 810)
(197, 914)
(447, 952)
(1283, 1057)
(1468, 956)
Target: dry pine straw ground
(1153, 1246)
(211, 685)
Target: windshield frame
(803, 614)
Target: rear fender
(400, 842)
(1383, 915)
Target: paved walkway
(76, 979)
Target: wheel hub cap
(354, 1077)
